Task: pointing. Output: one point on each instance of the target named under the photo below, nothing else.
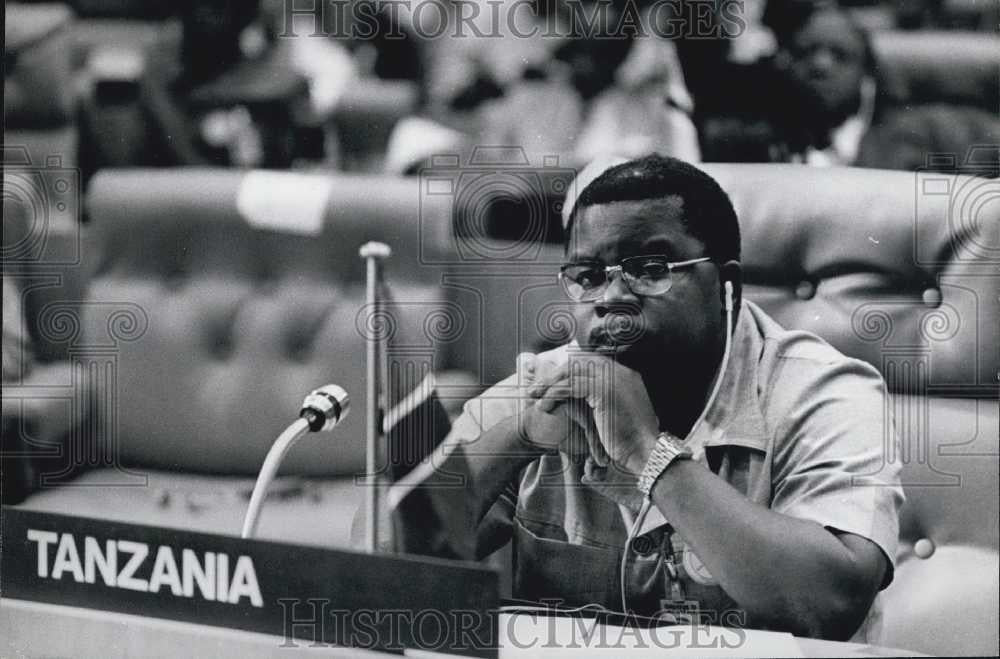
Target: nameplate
(303, 595)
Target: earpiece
(647, 503)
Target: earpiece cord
(647, 502)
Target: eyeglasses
(644, 275)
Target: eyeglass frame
(609, 270)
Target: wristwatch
(668, 448)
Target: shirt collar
(734, 418)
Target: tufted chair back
(222, 297)
(899, 269)
(903, 270)
(943, 66)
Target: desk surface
(37, 629)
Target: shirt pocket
(715, 606)
(548, 566)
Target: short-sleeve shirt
(796, 426)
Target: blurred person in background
(376, 41)
(634, 93)
(17, 363)
(826, 101)
(17, 357)
(36, 422)
(606, 87)
(468, 80)
(230, 97)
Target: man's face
(826, 62)
(679, 327)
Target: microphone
(321, 410)
(325, 407)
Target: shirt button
(805, 290)
(923, 548)
(932, 298)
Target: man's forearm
(470, 477)
(787, 573)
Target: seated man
(746, 462)
(827, 100)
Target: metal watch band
(668, 448)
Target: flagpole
(373, 253)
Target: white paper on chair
(284, 201)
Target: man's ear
(731, 271)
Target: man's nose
(616, 294)
(823, 60)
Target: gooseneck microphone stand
(322, 409)
(274, 458)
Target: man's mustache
(621, 325)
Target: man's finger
(526, 367)
(582, 415)
(592, 382)
(554, 395)
(547, 374)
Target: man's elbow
(855, 588)
(823, 618)
(839, 610)
(840, 613)
(833, 613)
(843, 618)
